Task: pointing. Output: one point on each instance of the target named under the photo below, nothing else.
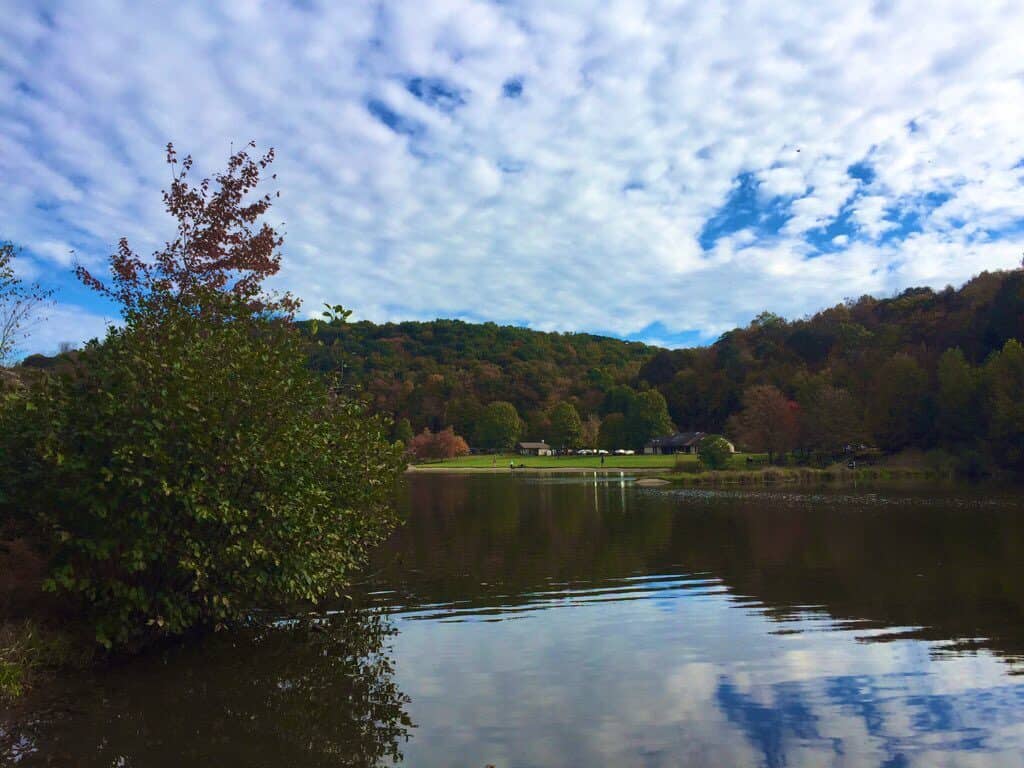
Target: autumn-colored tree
(19, 304)
(566, 426)
(768, 422)
(591, 430)
(221, 249)
(538, 425)
(438, 445)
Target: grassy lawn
(573, 462)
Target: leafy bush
(188, 469)
(438, 445)
(715, 452)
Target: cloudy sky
(651, 169)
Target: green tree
(462, 414)
(498, 427)
(715, 452)
(619, 399)
(647, 418)
(612, 434)
(403, 431)
(899, 408)
(1004, 403)
(830, 419)
(190, 466)
(956, 405)
(183, 472)
(566, 426)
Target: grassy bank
(571, 463)
(31, 650)
(36, 636)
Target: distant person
(512, 465)
(602, 459)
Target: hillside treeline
(925, 369)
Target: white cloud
(55, 325)
(577, 205)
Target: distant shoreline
(442, 469)
(665, 476)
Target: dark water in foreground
(581, 622)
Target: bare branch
(20, 303)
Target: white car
(602, 452)
(624, 452)
(584, 452)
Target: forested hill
(922, 369)
(848, 346)
(442, 372)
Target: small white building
(534, 449)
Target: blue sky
(654, 170)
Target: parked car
(584, 452)
(624, 452)
(602, 452)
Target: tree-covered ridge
(923, 369)
(443, 372)
(846, 346)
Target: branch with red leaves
(221, 248)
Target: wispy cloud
(593, 165)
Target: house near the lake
(680, 442)
(534, 449)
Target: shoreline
(413, 469)
(741, 477)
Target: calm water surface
(583, 621)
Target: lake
(583, 621)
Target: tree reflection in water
(310, 695)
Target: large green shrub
(187, 469)
(715, 452)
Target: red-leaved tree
(438, 445)
(768, 422)
(221, 250)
